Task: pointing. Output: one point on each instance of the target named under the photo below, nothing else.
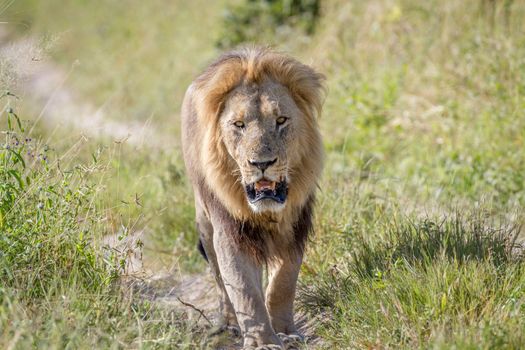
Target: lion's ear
(212, 86)
(308, 87)
(305, 83)
(254, 64)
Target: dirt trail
(45, 84)
(194, 294)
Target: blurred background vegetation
(419, 212)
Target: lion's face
(260, 126)
(254, 141)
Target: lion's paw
(269, 347)
(234, 330)
(231, 329)
(292, 341)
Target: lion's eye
(281, 120)
(239, 124)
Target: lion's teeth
(265, 185)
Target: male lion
(254, 154)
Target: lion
(253, 152)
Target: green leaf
(17, 121)
(18, 158)
(18, 178)
(443, 302)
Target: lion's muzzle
(262, 165)
(266, 189)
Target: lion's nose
(262, 165)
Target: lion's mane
(213, 170)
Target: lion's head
(262, 151)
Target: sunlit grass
(61, 285)
(418, 213)
(134, 59)
(421, 284)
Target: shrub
(60, 287)
(252, 19)
(48, 217)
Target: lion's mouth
(266, 189)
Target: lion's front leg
(227, 320)
(280, 294)
(242, 279)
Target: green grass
(429, 96)
(419, 213)
(61, 286)
(153, 193)
(412, 283)
(134, 59)
(424, 119)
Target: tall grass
(427, 96)
(423, 284)
(60, 285)
(423, 120)
(47, 217)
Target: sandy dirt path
(45, 84)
